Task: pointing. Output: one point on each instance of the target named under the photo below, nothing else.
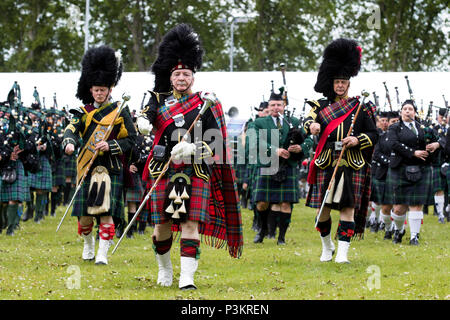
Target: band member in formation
(374, 221)
(101, 194)
(410, 172)
(381, 192)
(197, 194)
(438, 160)
(19, 159)
(275, 193)
(332, 118)
(135, 190)
(250, 173)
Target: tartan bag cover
(225, 227)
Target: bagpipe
(295, 135)
(426, 123)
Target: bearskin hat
(341, 60)
(180, 48)
(100, 66)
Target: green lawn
(38, 263)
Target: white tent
(243, 90)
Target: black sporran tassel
(101, 195)
(92, 195)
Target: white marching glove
(183, 149)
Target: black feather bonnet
(341, 60)
(180, 48)
(101, 66)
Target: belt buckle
(338, 145)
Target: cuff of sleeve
(67, 141)
(114, 147)
(203, 150)
(364, 141)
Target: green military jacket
(265, 127)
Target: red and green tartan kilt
(18, 190)
(58, 176)
(411, 193)
(42, 180)
(381, 192)
(268, 190)
(359, 179)
(135, 193)
(199, 198)
(117, 201)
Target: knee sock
(386, 218)
(415, 221)
(439, 202)
(399, 221)
(190, 248)
(107, 231)
(85, 229)
(163, 246)
(346, 230)
(324, 227)
(378, 212)
(373, 213)
(12, 215)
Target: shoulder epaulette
(77, 111)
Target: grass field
(38, 263)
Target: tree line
(400, 35)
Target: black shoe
(414, 241)
(374, 227)
(141, 227)
(388, 235)
(258, 238)
(281, 242)
(398, 236)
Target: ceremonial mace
(121, 106)
(209, 100)
(365, 95)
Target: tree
(137, 27)
(36, 37)
(286, 31)
(408, 36)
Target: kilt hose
(58, 174)
(410, 193)
(18, 190)
(357, 181)
(199, 198)
(268, 190)
(117, 202)
(42, 180)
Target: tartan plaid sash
(331, 116)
